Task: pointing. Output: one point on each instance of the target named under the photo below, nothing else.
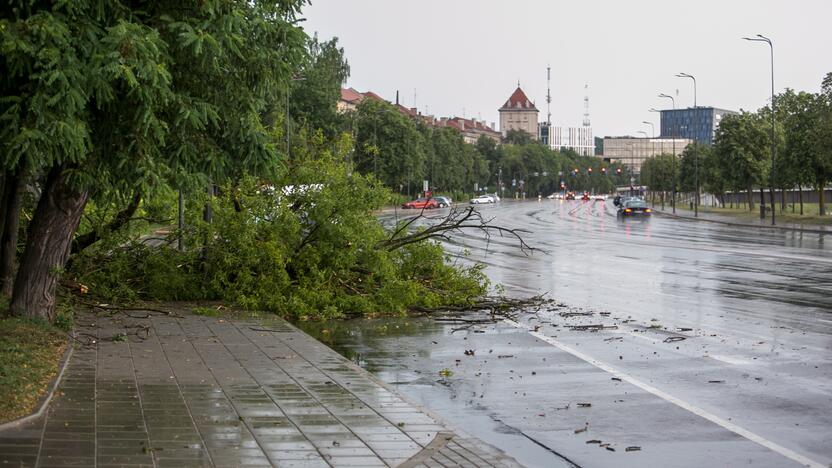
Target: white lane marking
(788, 453)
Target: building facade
(694, 123)
(471, 129)
(350, 98)
(632, 152)
(577, 139)
(518, 113)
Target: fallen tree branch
(498, 307)
(455, 221)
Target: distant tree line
(402, 152)
(740, 159)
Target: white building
(578, 139)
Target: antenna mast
(548, 95)
(586, 105)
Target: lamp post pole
(652, 127)
(761, 38)
(661, 145)
(695, 155)
(646, 136)
(675, 120)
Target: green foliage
(111, 98)
(305, 246)
(206, 311)
(317, 88)
(657, 172)
(691, 166)
(135, 270)
(741, 145)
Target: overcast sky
(466, 56)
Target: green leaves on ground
(29, 355)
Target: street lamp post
(646, 136)
(695, 155)
(661, 143)
(673, 136)
(761, 38)
(652, 127)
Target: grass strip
(30, 353)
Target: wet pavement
(712, 343)
(149, 389)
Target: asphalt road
(715, 351)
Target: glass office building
(695, 123)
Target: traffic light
(589, 170)
(604, 170)
(618, 171)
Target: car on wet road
(634, 208)
(483, 199)
(443, 202)
(421, 204)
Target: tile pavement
(187, 390)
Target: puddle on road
(408, 353)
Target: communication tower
(586, 105)
(548, 95)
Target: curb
(729, 223)
(43, 403)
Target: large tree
(120, 96)
(316, 89)
(742, 147)
(820, 161)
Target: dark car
(570, 195)
(585, 196)
(634, 208)
(421, 204)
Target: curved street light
(673, 136)
(695, 155)
(652, 127)
(761, 38)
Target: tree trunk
(750, 197)
(120, 220)
(47, 246)
(821, 198)
(763, 199)
(12, 193)
(800, 197)
(782, 199)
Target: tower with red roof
(518, 113)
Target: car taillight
(648, 210)
(628, 210)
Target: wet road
(715, 351)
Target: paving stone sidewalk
(188, 390)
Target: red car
(421, 204)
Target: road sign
(425, 185)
